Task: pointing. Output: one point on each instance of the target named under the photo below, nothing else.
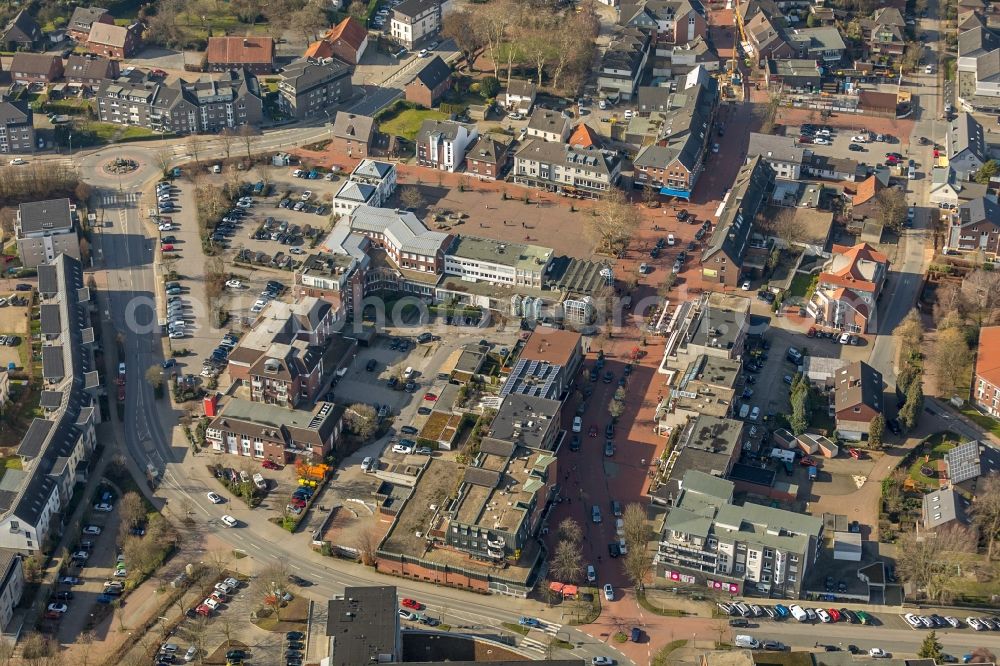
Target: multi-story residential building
(976, 228)
(676, 22)
(885, 32)
(254, 54)
(17, 128)
(336, 278)
(253, 430)
(22, 33)
(89, 70)
(986, 385)
(623, 64)
(83, 19)
(709, 539)
(497, 262)
(979, 69)
(287, 375)
(55, 448)
(370, 184)
(549, 363)
(847, 292)
(783, 153)
(823, 44)
(207, 105)
(35, 67)
(347, 41)
(967, 150)
(489, 156)
(114, 41)
(857, 399)
(308, 88)
(430, 83)
(353, 134)
(766, 38)
(548, 125)
(675, 159)
(44, 230)
(562, 168)
(11, 585)
(724, 258)
(407, 242)
(415, 22)
(442, 144)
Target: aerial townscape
(577, 332)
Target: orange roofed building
(848, 289)
(986, 391)
(255, 54)
(584, 137)
(347, 41)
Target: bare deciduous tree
(614, 221)
(952, 360)
(194, 146)
(891, 205)
(986, 509)
(411, 197)
(366, 540)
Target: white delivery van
(798, 613)
(747, 642)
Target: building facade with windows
(986, 385)
(442, 144)
(44, 230)
(708, 539)
(308, 88)
(253, 430)
(560, 167)
(415, 22)
(17, 128)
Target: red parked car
(808, 461)
(834, 614)
(430, 397)
(202, 609)
(167, 247)
(410, 603)
(270, 464)
(854, 453)
(295, 501)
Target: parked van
(798, 613)
(749, 642)
(744, 410)
(217, 168)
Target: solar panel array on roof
(963, 462)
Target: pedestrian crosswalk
(533, 645)
(541, 643)
(115, 198)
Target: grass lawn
(987, 423)
(939, 444)
(660, 658)
(408, 123)
(800, 285)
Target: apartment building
(489, 156)
(847, 292)
(56, 446)
(336, 278)
(17, 128)
(252, 430)
(729, 246)
(44, 230)
(308, 88)
(353, 134)
(497, 262)
(976, 228)
(986, 385)
(783, 153)
(623, 64)
(90, 70)
(206, 105)
(966, 146)
(707, 539)
(405, 239)
(11, 585)
(442, 144)
(558, 167)
(670, 22)
(415, 23)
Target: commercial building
(709, 540)
(207, 105)
(370, 184)
(362, 627)
(17, 127)
(254, 430)
(549, 363)
(415, 23)
(114, 41)
(405, 239)
(44, 230)
(857, 399)
(986, 386)
(254, 54)
(497, 262)
(442, 144)
(489, 156)
(309, 88)
(623, 64)
(724, 257)
(783, 153)
(56, 447)
(558, 167)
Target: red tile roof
(849, 276)
(240, 50)
(867, 190)
(350, 31)
(320, 49)
(584, 137)
(988, 358)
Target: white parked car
(214, 498)
(628, 114)
(754, 413)
(211, 603)
(974, 623)
(424, 53)
(859, 138)
(166, 226)
(258, 306)
(103, 508)
(17, 161)
(234, 284)
(402, 448)
(670, 239)
(307, 195)
(577, 424)
(823, 616)
(820, 141)
(609, 592)
(878, 653)
(229, 521)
